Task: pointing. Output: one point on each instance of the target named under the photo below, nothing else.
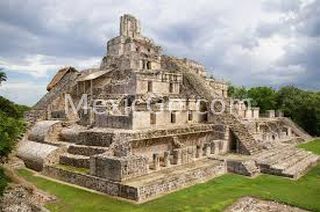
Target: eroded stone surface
(249, 204)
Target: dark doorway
(233, 142)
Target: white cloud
(40, 65)
(248, 42)
(23, 92)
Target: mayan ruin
(144, 124)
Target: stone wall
(91, 182)
(104, 120)
(95, 138)
(118, 168)
(140, 192)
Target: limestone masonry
(148, 124)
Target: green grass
(313, 146)
(73, 169)
(214, 195)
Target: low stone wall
(91, 182)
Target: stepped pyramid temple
(144, 124)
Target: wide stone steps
(278, 156)
(289, 162)
(289, 155)
(86, 150)
(270, 153)
(79, 161)
(300, 168)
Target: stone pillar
(184, 156)
(177, 156)
(216, 147)
(289, 132)
(156, 161)
(207, 150)
(166, 158)
(212, 147)
(271, 113)
(199, 151)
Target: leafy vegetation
(214, 195)
(3, 181)
(11, 125)
(302, 106)
(3, 76)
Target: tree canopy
(11, 124)
(302, 106)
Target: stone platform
(146, 187)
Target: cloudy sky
(248, 42)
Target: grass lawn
(214, 195)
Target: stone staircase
(248, 144)
(78, 152)
(79, 155)
(286, 161)
(296, 128)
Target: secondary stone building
(143, 124)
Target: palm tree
(3, 76)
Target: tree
(263, 97)
(11, 125)
(302, 106)
(3, 76)
(237, 92)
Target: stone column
(216, 147)
(207, 150)
(177, 156)
(199, 151)
(289, 132)
(212, 147)
(156, 161)
(166, 158)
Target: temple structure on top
(144, 123)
